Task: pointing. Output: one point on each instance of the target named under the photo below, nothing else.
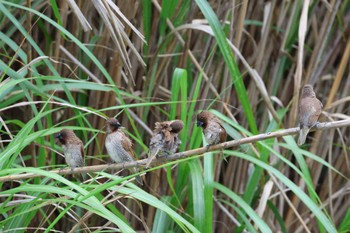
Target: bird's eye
(200, 123)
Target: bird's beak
(199, 123)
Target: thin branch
(176, 156)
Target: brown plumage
(213, 130)
(165, 139)
(73, 148)
(310, 109)
(119, 146)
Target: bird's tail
(138, 178)
(81, 177)
(151, 156)
(302, 135)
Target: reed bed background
(72, 64)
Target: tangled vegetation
(74, 64)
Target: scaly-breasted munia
(213, 130)
(165, 139)
(73, 148)
(119, 146)
(310, 109)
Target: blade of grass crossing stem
(50, 66)
(345, 224)
(230, 62)
(20, 141)
(162, 220)
(22, 217)
(63, 212)
(168, 9)
(238, 84)
(46, 34)
(7, 88)
(56, 11)
(307, 177)
(24, 32)
(178, 82)
(153, 201)
(26, 86)
(5, 39)
(176, 199)
(196, 132)
(197, 196)
(84, 196)
(182, 13)
(138, 194)
(208, 191)
(293, 187)
(278, 215)
(244, 206)
(84, 49)
(243, 216)
(254, 179)
(41, 154)
(178, 88)
(303, 167)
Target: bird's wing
(82, 150)
(155, 144)
(127, 146)
(168, 139)
(320, 103)
(222, 134)
(125, 141)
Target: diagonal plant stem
(180, 155)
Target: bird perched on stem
(213, 130)
(165, 139)
(119, 146)
(310, 109)
(73, 149)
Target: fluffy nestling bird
(73, 148)
(310, 109)
(119, 146)
(165, 139)
(213, 130)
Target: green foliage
(76, 80)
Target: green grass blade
(293, 187)
(246, 207)
(230, 62)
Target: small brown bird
(165, 139)
(310, 109)
(213, 130)
(73, 148)
(119, 146)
